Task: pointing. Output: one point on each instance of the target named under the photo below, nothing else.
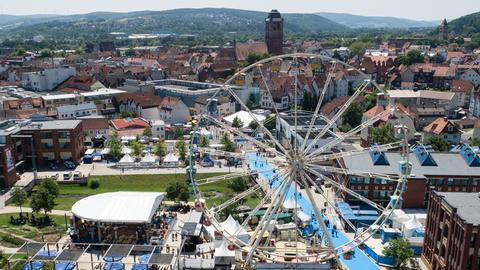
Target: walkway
(15, 209)
(359, 261)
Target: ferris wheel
(305, 149)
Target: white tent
(170, 160)
(148, 160)
(126, 160)
(245, 117)
(303, 216)
(233, 228)
(119, 207)
(290, 203)
(411, 226)
(223, 255)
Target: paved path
(16, 209)
(359, 261)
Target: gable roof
(127, 123)
(439, 126)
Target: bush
(93, 184)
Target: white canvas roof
(303, 216)
(290, 204)
(126, 159)
(244, 117)
(119, 207)
(223, 251)
(148, 158)
(233, 228)
(170, 158)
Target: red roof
(439, 126)
(129, 123)
(462, 86)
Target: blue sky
(413, 9)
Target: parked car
(67, 176)
(69, 165)
(53, 166)
(77, 175)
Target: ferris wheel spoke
(227, 177)
(338, 115)
(236, 198)
(268, 196)
(350, 133)
(329, 201)
(267, 87)
(319, 105)
(257, 237)
(340, 155)
(235, 96)
(318, 214)
(347, 190)
(343, 171)
(243, 135)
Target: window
(46, 135)
(439, 182)
(450, 182)
(64, 134)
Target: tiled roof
(242, 50)
(337, 103)
(439, 126)
(462, 86)
(128, 123)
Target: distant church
(274, 32)
(443, 30)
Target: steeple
(274, 32)
(443, 30)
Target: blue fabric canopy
(64, 265)
(35, 265)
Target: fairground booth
(118, 217)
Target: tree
(51, 186)
(178, 132)
(251, 102)
(126, 114)
(412, 57)
(78, 51)
(383, 134)
(115, 146)
(237, 123)
(359, 47)
(181, 148)
(177, 191)
(19, 196)
(400, 250)
(46, 53)
(20, 52)
(253, 125)
(160, 148)
(476, 142)
(270, 122)
(228, 145)
(238, 184)
(204, 141)
(147, 132)
(42, 200)
(137, 148)
(353, 115)
(253, 58)
(130, 52)
(439, 144)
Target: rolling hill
(207, 21)
(467, 25)
(356, 21)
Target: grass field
(50, 233)
(71, 193)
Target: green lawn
(50, 232)
(215, 193)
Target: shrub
(93, 184)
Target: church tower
(443, 30)
(274, 32)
